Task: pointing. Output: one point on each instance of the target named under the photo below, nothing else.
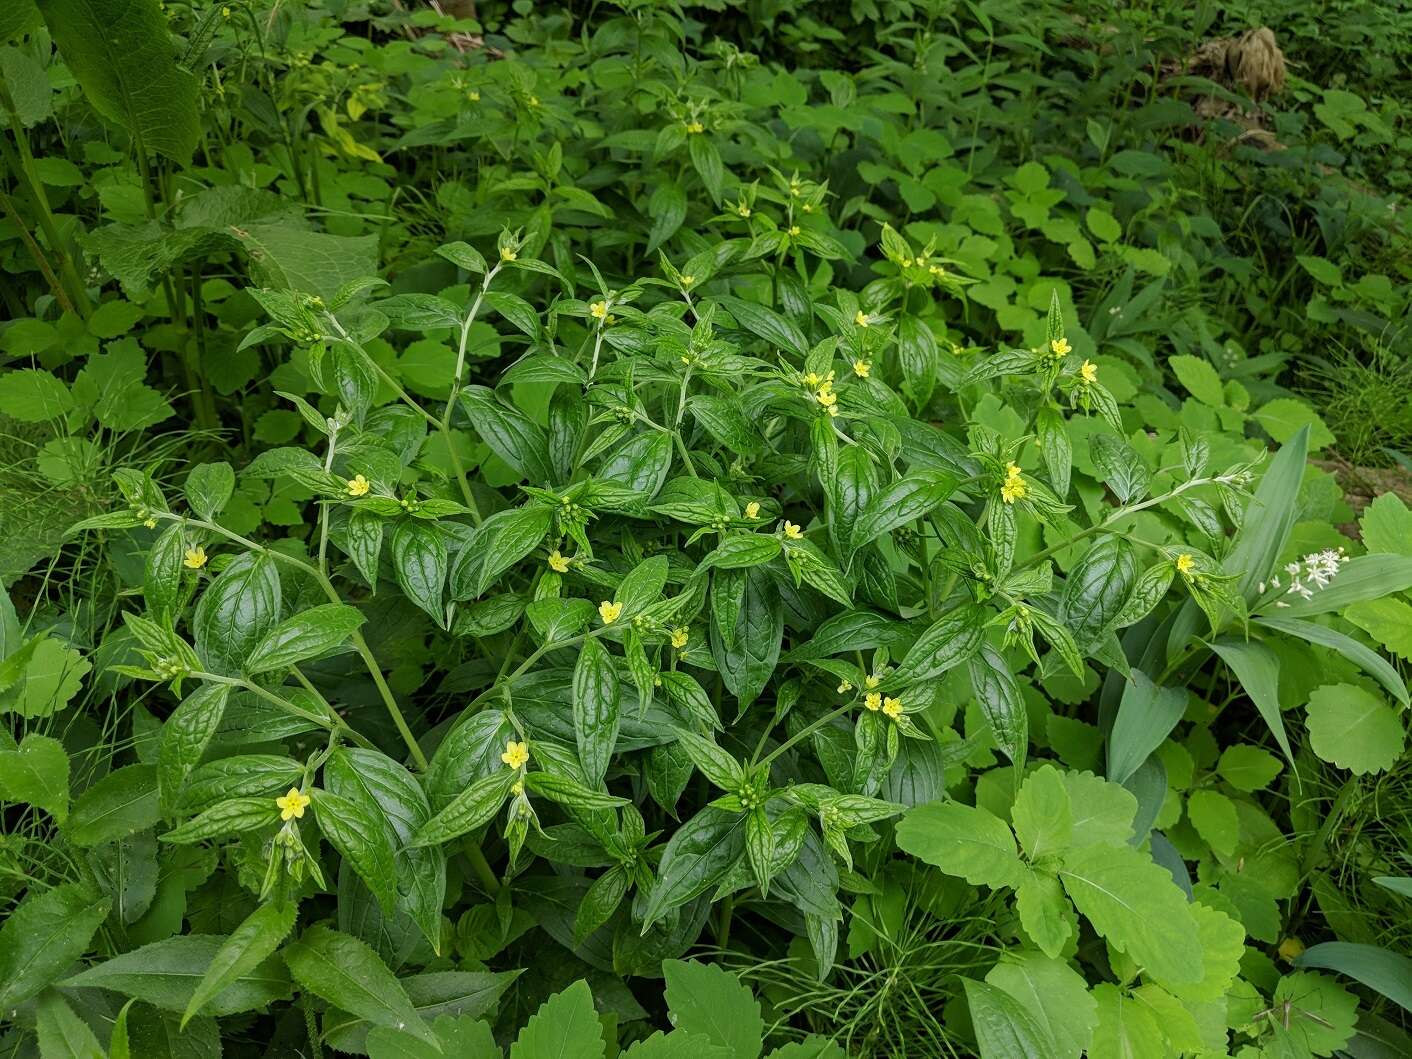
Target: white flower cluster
(1308, 575)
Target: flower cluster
(1307, 575)
(1014, 487)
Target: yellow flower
(679, 638)
(688, 280)
(506, 254)
(1088, 371)
(1185, 564)
(291, 806)
(752, 509)
(1060, 347)
(845, 687)
(794, 229)
(358, 486)
(826, 397)
(808, 207)
(533, 101)
(937, 271)
(861, 318)
(473, 96)
(609, 611)
(1014, 487)
(516, 754)
(694, 127)
(1291, 949)
(832, 410)
(558, 563)
(195, 558)
(871, 681)
(892, 707)
(792, 531)
(743, 210)
(151, 523)
(861, 368)
(598, 310)
(517, 788)
(873, 700)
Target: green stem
(804, 733)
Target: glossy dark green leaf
(999, 698)
(473, 807)
(419, 559)
(597, 694)
(162, 583)
(120, 803)
(209, 488)
(236, 611)
(904, 501)
(748, 662)
(185, 736)
(1097, 588)
(697, 856)
(43, 935)
(166, 974)
(511, 435)
(311, 633)
(363, 839)
(763, 322)
(953, 639)
(247, 947)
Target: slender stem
(805, 732)
(481, 866)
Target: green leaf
(345, 972)
(227, 817)
(36, 771)
(1043, 816)
(712, 762)
(43, 935)
(998, 696)
(1269, 517)
(516, 535)
(311, 633)
(33, 395)
(46, 673)
(185, 736)
(123, 56)
(1364, 578)
(363, 840)
(120, 803)
(1258, 670)
(247, 947)
(1004, 1028)
(1200, 379)
(1147, 713)
(708, 1000)
(697, 856)
(1045, 913)
(764, 322)
(953, 639)
(1354, 729)
(1215, 819)
(1134, 904)
(209, 488)
(596, 694)
(1054, 994)
(166, 973)
(62, 1034)
(1126, 1027)
(900, 503)
(1385, 972)
(236, 612)
(707, 161)
(472, 808)
(1096, 590)
(1371, 662)
(748, 662)
(1248, 768)
(962, 840)
(1389, 622)
(511, 435)
(564, 1027)
(419, 559)
(1386, 525)
(1285, 415)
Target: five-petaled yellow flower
(688, 280)
(752, 509)
(358, 486)
(826, 397)
(679, 638)
(862, 368)
(516, 754)
(1060, 347)
(743, 210)
(1185, 564)
(195, 558)
(1014, 487)
(794, 229)
(871, 681)
(598, 310)
(892, 707)
(845, 687)
(695, 127)
(558, 563)
(506, 254)
(873, 700)
(792, 531)
(609, 611)
(1088, 371)
(291, 806)
(861, 318)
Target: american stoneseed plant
(701, 531)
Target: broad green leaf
(235, 612)
(962, 840)
(1386, 525)
(1147, 713)
(1354, 729)
(1096, 590)
(1269, 517)
(516, 535)
(311, 633)
(36, 771)
(1102, 810)
(1199, 378)
(998, 696)
(473, 807)
(1388, 621)
(363, 839)
(33, 395)
(511, 435)
(119, 804)
(953, 639)
(565, 1027)
(123, 55)
(43, 936)
(209, 487)
(904, 501)
(1363, 578)
(247, 947)
(763, 322)
(1248, 768)
(1045, 913)
(597, 693)
(1134, 904)
(1371, 662)
(697, 856)
(1126, 1027)
(1214, 817)
(419, 559)
(1322, 1012)
(62, 1034)
(1043, 816)
(1054, 994)
(345, 972)
(167, 973)
(1381, 970)
(748, 662)
(706, 999)
(185, 736)
(1005, 1029)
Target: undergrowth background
(1208, 201)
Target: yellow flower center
(1060, 347)
(694, 127)
(892, 707)
(794, 229)
(1185, 563)
(1014, 487)
(506, 254)
(609, 611)
(873, 700)
(599, 310)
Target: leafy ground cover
(713, 531)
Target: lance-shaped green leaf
(511, 435)
(248, 946)
(363, 840)
(472, 808)
(953, 639)
(568, 791)
(236, 611)
(185, 736)
(1258, 670)
(600, 902)
(596, 692)
(122, 53)
(713, 762)
(999, 698)
(1097, 588)
(311, 633)
(904, 501)
(697, 857)
(229, 817)
(62, 1034)
(209, 488)
(740, 549)
(419, 559)
(1373, 663)
(1147, 713)
(1005, 1028)
(348, 974)
(43, 936)
(162, 580)
(120, 803)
